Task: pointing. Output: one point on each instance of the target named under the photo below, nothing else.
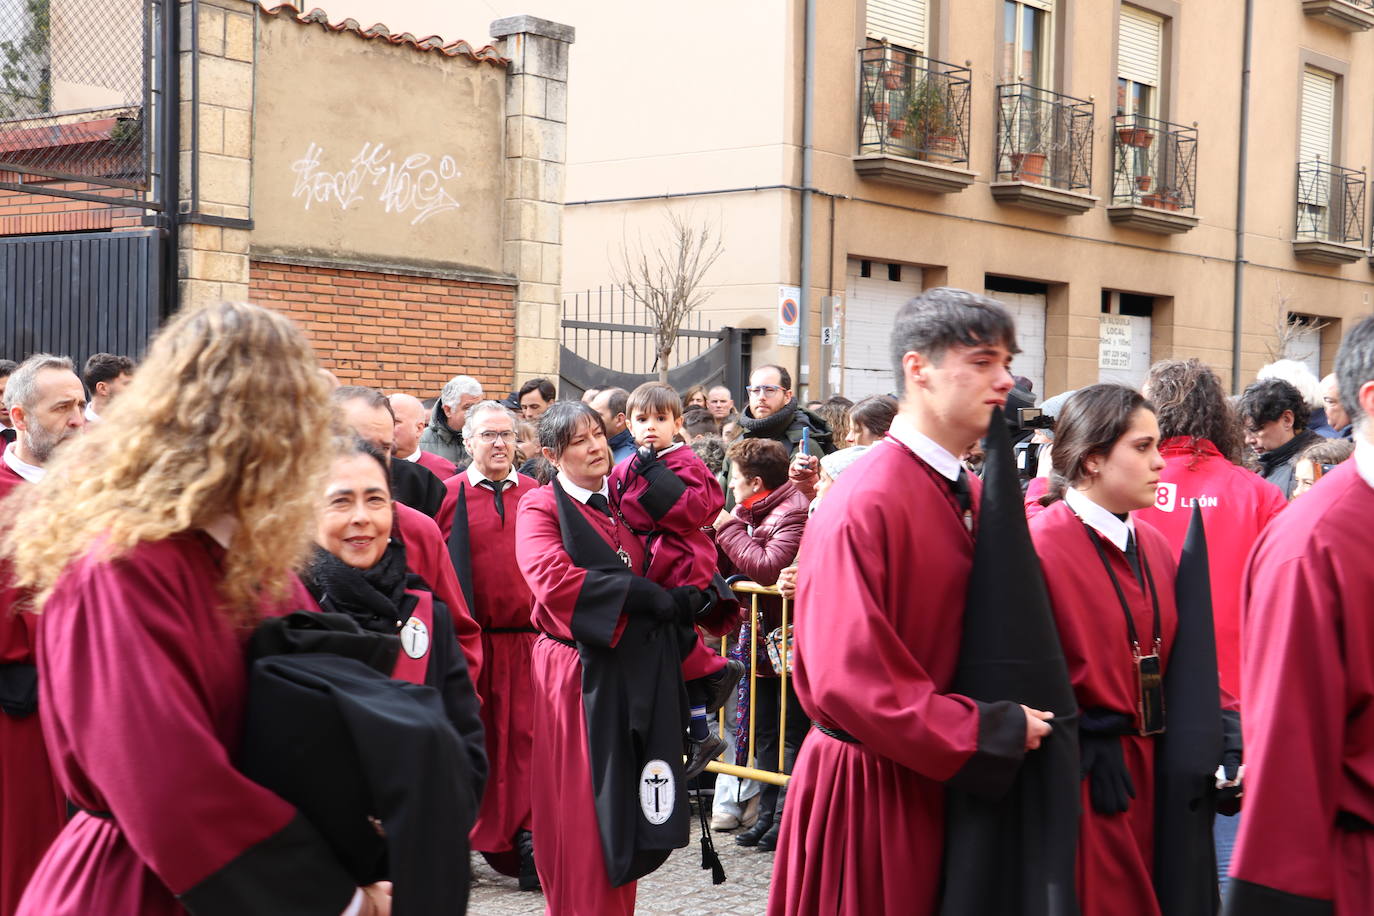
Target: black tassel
(709, 857)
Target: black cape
(417, 486)
(636, 709)
(1187, 754)
(1014, 855)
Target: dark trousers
(767, 696)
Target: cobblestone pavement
(681, 887)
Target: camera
(1033, 418)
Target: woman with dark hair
(870, 418)
(1202, 445)
(605, 626)
(1111, 582)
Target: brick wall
(393, 331)
(30, 213)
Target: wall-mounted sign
(789, 316)
(1114, 342)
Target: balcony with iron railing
(1347, 15)
(1154, 175)
(1330, 227)
(1044, 150)
(913, 120)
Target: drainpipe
(808, 132)
(168, 145)
(1242, 169)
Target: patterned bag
(775, 640)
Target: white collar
(926, 448)
(91, 415)
(30, 472)
(1364, 458)
(672, 448)
(475, 477)
(1099, 519)
(413, 457)
(582, 494)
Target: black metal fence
(1330, 203)
(76, 93)
(1044, 137)
(913, 106)
(1154, 163)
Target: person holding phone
(1111, 582)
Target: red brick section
(34, 213)
(396, 332)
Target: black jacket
(1277, 465)
(417, 486)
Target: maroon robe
(32, 807)
(567, 844)
(501, 607)
(1115, 852)
(143, 685)
(427, 557)
(441, 466)
(680, 553)
(1308, 680)
(883, 573)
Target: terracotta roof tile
(379, 32)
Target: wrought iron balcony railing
(1044, 138)
(913, 106)
(1330, 203)
(1154, 163)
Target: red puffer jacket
(762, 540)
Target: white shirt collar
(1099, 519)
(582, 494)
(475, 477)
(413, 457)
(30, 472)
(672, 448)
(1364, 458)
(926, 448)
(91, 415)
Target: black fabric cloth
(18, 689)
(599, 502)
(305, 632)
(497, 487)
(8, 434)
(460, 548)
(1277, 465)
(344, 743)
(636, 709)
(1189, 750)
(1246, 899)
(417, 486)
(962, 490)
(1013, 851)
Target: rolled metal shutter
(901, 22)
(1140, 46)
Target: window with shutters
(901, 23)
(1027, 41)
(1140, 62)
(1316, 136)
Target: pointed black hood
(1187, 754)
(1014, 856)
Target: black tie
(963, 494)
(598, 502)
(1133, 556)
(496, 487)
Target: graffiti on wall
(417, 185)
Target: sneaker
(723, 687)
(700, 753)
(750, 816)
(724, 821)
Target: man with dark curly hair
(1275, 417)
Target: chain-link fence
(74, 90)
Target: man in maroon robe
(883, 574)
(47, 405)
(1306, 841)
(484, 499)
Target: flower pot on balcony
(880, 110)
(941, 149)
(1028, 167)
(894, 77)
(1163, 200)
(896, 129)
(1135, 136)
(1142, 182)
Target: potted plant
(896, 129)
(880, 110)
(933, 126)
(1028, 167)
(1143, 182)
(1138, 137)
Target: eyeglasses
(766, 391)
(490, 435)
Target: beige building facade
(1084, 161)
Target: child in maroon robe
(668, 495)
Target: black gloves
(1104, 765)
(1228, 799)
(648, 599)
(644, 459)
(692, 602)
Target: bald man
(411, 420)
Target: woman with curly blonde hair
(152, 545)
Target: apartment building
(1083, 160)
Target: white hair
(481, 407)
(458, 386)
(1296, 374)
(22, 388)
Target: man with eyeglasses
(479, 518)
(773, 413)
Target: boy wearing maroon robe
(1306, 842)
(883, 575)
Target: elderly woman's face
(355, 522)
(587, 459)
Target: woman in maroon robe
(152, 545)
(1111, 583)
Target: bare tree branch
(1287, 328)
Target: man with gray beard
(47, 406)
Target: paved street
(681, 887)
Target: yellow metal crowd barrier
(753, 590)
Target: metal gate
(608, 342)
(75, 295)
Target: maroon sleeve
(762, 559)
(701, 499)
(427, 557)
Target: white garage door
(870, 310)
(1306, 347)
(1029, 311)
